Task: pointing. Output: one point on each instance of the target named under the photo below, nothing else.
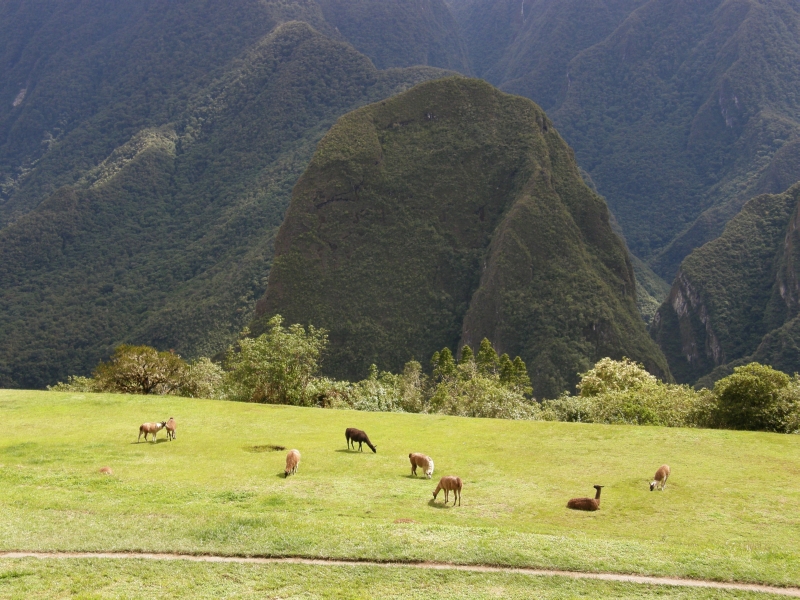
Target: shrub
(204, 379)
(75, 383)
(756, 397)
(277, 367)
(610, 375)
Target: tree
(445, 366)
(277, 367)
(487, 358)
(751, 398)
(141, 370)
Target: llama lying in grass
(448, 484)
(292, 461)
(170, 426)
(354, 435)
(420, 460)
(150, 428)
(586, 503)
(660, 479)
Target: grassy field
(728, 513)
(33, 579)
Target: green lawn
(729, 511)
(33, 579)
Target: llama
(106, 471)
(170, 425)
(660, 479)
(153, 428)
(420, 460)
(448, 484)
(586, 503)
(292, 461)
(354, 435)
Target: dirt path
(674, 581)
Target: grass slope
(46, 579)
(446, 214)
(727, 513)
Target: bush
(614, 376)
(756, 397)
(204, 379)
(75, 383)
(277, 367)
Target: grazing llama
(354, 435)
(292, 461)
(448, 484)
(586, 503)
(660, 479)
(420, 460)
(147, 428)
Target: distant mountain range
(148, 150)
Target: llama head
(652, 485)
(598, 487)
(375, 449)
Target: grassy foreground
(729, 511)
(33, 579)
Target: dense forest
(148, 153)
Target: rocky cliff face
(736, 299)
(446, 214)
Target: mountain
(680, 111)
(446, 214)
(737, 299)
(148, 153)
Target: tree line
(282, 366)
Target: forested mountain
(446, 214)
(148, 152)
(680, 111)
(737, 299)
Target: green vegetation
(34, 579)
(736, 299)
(149, 217)
(448, 214)
(726, 513)
(401, 33)
(680, 113)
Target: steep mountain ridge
(446, 214)
(737, 298)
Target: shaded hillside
(167, 238)
(737, 298)
(525, 46)
(680, 111)
(400, 33)
(446, 214)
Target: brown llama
(660, 479)
(586, 503)
(292, 461)
(170, 427)
(150, 428)
(448, 484)
(420, 460)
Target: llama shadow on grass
(433, 504)
(352, 451)
(163, 441)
